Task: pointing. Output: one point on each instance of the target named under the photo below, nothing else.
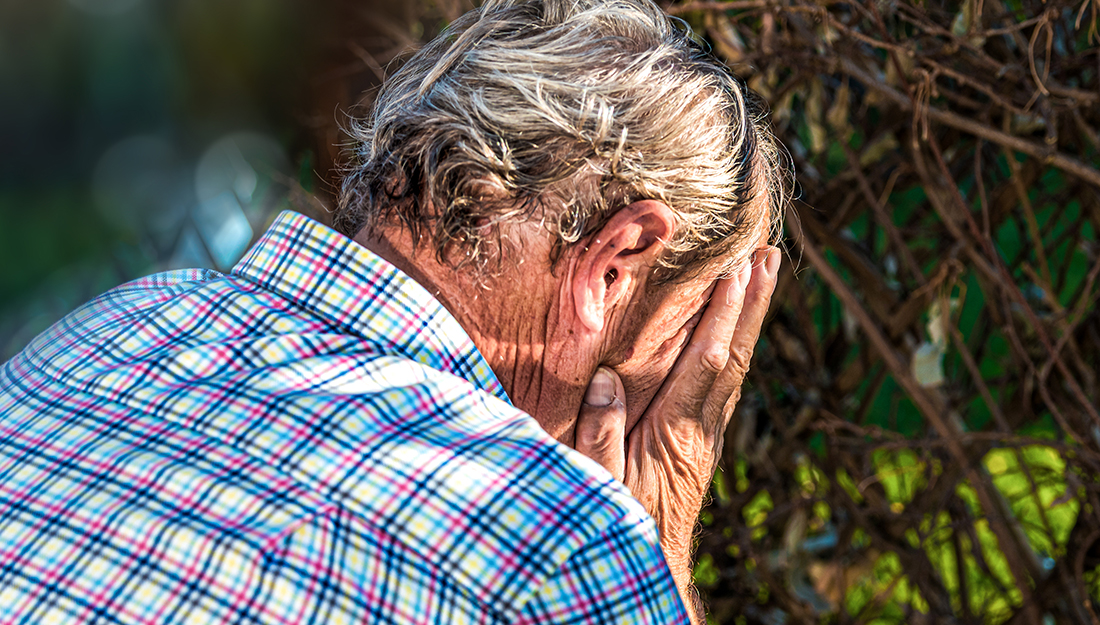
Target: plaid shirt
(310, 439)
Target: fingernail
(771, 263)
(601, 390)
(743, 277)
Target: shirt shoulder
(313, 379)
(621, 577)
(484, 494)
(68, 342)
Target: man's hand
(668, 458)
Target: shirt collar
(334, 277)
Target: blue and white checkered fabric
(310, 439)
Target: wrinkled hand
(668, 458)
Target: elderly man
(499, 399)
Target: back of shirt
(309, 439)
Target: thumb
(602, 421)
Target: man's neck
(508, 318)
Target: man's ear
(609, 267)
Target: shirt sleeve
(620, 577)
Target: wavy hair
(565, 111)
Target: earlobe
(611, 266)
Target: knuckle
(739, 360)
(600, 437)
(714, 358)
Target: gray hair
(565, 111)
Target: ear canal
(613, 262)
(611, 276)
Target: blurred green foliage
(937, 342)
(79, 76)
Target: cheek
(642, 378)
(648, 364)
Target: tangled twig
(948, 307)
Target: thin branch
(1045, 153)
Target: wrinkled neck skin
(522, 321)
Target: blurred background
(139, 135)
(919, 440)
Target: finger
(707, 352)
(686, 390)
(602, 421)
(758, 294)
(758, 297)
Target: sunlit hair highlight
(565, 111)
